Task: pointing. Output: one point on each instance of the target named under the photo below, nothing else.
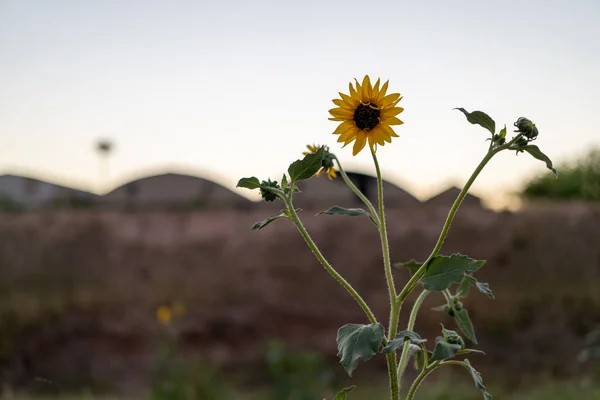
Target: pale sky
(226, 89)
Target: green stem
(357, 192)
(389, 278)
(426, 371)
(411, 325)
(294, 218)
(451, 214)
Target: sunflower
(366, 114)
(326, 164)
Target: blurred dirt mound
(79, 290)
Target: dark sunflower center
(366, 117)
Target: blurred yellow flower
(164, 315)
(366, 115)
(327, 164)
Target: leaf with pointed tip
(537, 153)
(444, 350)
(398, 342)
(249, 183)
(343, 393)
(443, 271)
(479, 118)
(307, 167)
(262, 224)
(358, 342)
(469, 351)
(411, 265)
(468, 281)
(284, 182)
(464, 323)
(478, 380)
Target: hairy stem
(294, 218)
(358, 193)
(411, 325)
(426, 371)
(451, 214)
(389, 278)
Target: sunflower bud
(526, 128)
(266, 194)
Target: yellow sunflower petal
(378, 135)
(349, 135)
(391, 112)
(358, 89)
(349, 100)
(367, 89)
(375, 94)
(343, 127)
(388, 130)
(382, 92)
(393, 121)
(342, 112)
(361, 140)
(353, 92)
(342, 104)
(389, 99)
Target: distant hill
(20, 192)
(320, 192)
(447, 197)
(173, 190)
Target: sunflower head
(366, 115)
(327, 165)
(266, 194)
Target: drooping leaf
(537, 153)
(478, 380)
(444, 350)
(262, 224)
(412, 265)
(479, 118)
(468, 281)
(419, 358)
(443, 271)
(343, 393)
(307, 167)
(249, 183)
(402, 336)
(358, 342)
(465, 325)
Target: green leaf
(307, 167)
(284, 182)
(469, 281)
(502, 132)
(249, 183)
(479, 118)
(356, 342)
(412, 265)
(444, 350)
(343, 393)
(419, 358)
(351, 212)
(262, 224)
(469, 351)
(464, 323)
(402, 336)
(537, 153)
(478, 380)
(443, 271)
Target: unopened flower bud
(266, 194)
(526, 128)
